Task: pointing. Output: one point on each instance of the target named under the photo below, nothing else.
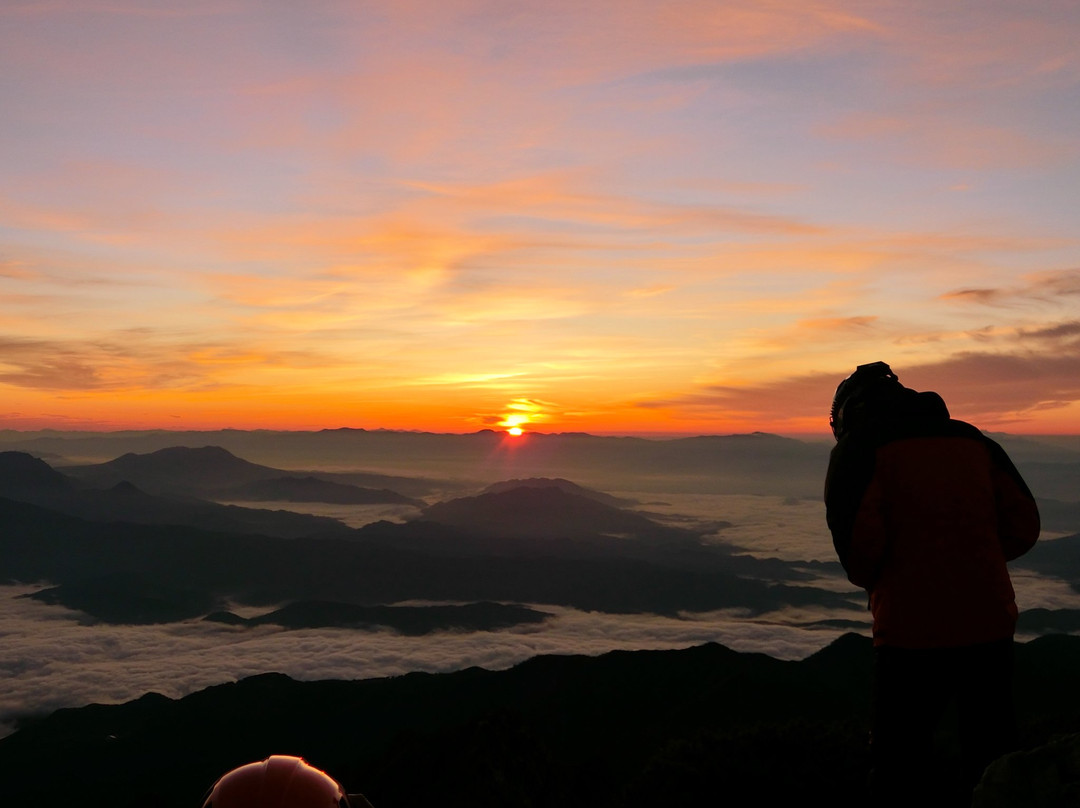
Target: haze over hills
(736, 463)
(757, 463)
(211, 472)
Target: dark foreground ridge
(705, 725)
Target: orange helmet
(280, 781)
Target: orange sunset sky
(616, 216)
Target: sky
(615, 216)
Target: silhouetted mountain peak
(559, 483)
(128, 489)
(182, 456)
(844, 649)
(177, 469)
(22, 471)
(548, 512)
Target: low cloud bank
(52, 659)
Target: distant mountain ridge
(730, 463)
(209, 471)
(751, 463)
(27, 479)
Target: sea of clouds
(52, 657)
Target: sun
(522, 414)
(515, 424)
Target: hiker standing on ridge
(924, 512)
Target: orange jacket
(924, 512)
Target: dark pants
(913, 690)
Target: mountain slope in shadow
(563, 485)
(312, 489)
(28, 479)
(545, 512)
(175, 470)
(211, 472)
(688, 727)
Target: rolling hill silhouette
(563, 485)
(22, 473)
(312, 489)
(28, 479)
(175, 470)
(689, 727)
(545, 512)
(211, 472)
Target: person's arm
(1018, 515)
(852, 510)
(869, 538)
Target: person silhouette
(924, 512)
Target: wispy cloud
(1042, 287)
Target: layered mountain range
(123, 555)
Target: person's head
(867, 392)
(280, 781)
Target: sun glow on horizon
(522, 412)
